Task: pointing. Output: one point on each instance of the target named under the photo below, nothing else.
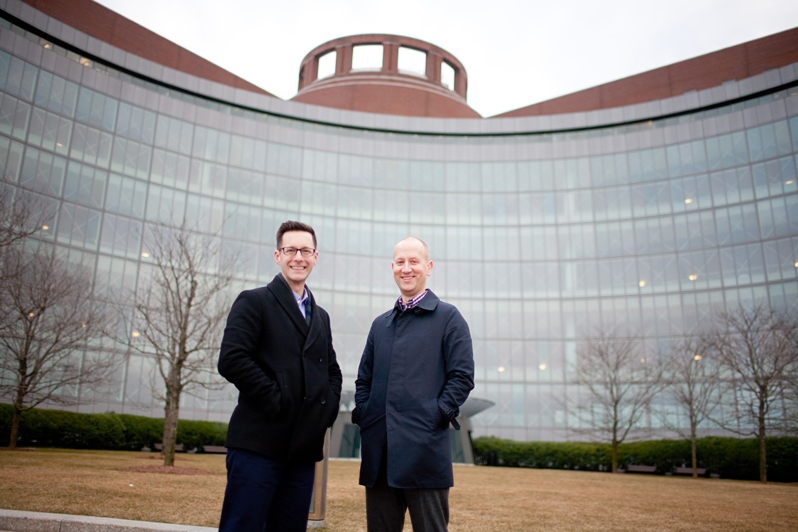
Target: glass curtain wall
(542, 241)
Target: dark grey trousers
(386, 507)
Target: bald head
(412, 241)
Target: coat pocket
(366, 416)
(433, 417)
(285, 395)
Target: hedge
(728, 457)
(58, 428)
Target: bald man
(417, 369)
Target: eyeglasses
(306, 252)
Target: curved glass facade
(540, 239)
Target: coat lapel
(316, 325)
(284, 296)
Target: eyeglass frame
(300, 250)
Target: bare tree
(178, 315)
(22, 214)
(692, 378)
(790, 396)
(757, 347)
(617, 383)
(48, 323)
(16, 220)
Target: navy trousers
(386, 506)
(265, 495)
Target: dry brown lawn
(484, 499)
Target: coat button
(320, 360)
(324, 401)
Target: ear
(277, 256)
(429, 268)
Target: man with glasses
(416, 371)
(277, 350)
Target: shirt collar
(303, 298)
(412, 303)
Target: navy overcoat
(416, 371)
(286, 372)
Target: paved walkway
(16, 521)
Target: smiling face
(411, 267)
(296, 268)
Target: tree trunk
(15, 417)
(694, 453)
(171, 416)
(614, 455)
(763, 456)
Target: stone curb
(16, 521)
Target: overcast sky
(515, 52)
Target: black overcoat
(286, 372)
(416, 371)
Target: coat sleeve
(364, 377)
(333, 370)
(459, 358)
(237, 357)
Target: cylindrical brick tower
(436, 89)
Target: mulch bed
(159, 457)
(167, 470)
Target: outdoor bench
(214, 449)
(702, 472)
(641, 469)
(178, 447)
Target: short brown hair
(291, 225)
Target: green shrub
(729, 457)
(141, 431)
(57, 428)
(195, 434)
(542, 455)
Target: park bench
(702, 472)
(641, 469)
(178, 447)
(214, 449)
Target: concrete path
(16, 521)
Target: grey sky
(515, 52)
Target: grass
(484, 499)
